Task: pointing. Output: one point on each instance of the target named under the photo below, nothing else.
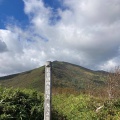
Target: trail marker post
(47, 96)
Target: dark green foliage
(16, 104)
(57, 116)
(20, 105)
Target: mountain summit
(64, 75)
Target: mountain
(65, 76)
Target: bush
(16, 104)
(19, 104)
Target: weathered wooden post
(48, 82)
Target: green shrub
(83, 107)
(19, 104)
(16, 104)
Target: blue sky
(55, 4)
(83, 32)
(12, 9)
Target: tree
(113, 83)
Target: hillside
(64, 75)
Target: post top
(48, 63)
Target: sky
(82, 32)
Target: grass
(64, 75)
(72, 99)
(84, 107)
(16, 104)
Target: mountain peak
(64, 75)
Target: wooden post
(47, 97)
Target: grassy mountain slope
(75, 76)
(64, 75)
(30, 79)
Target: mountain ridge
(64, 75)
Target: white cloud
(109, 65)
(3, 47)
(87, 34)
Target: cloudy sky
(82, 32)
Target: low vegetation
(16, 104)
(84, 107)
(78, 94)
